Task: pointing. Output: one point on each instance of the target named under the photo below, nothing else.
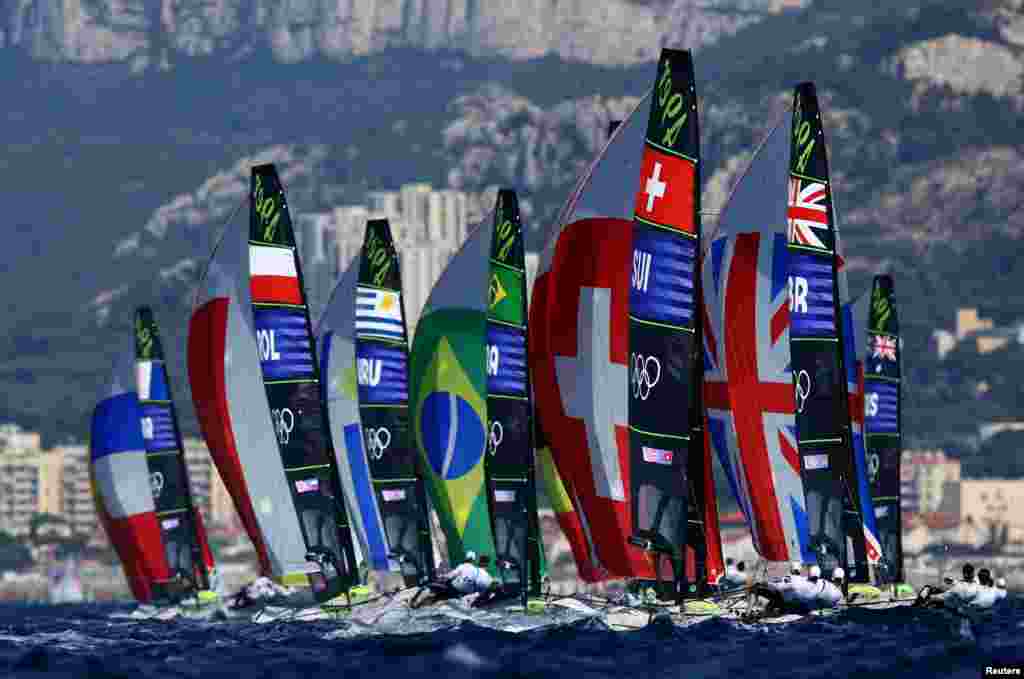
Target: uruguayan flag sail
(379, 313)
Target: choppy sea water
(84, 641)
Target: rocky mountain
(118, 182)
(162, 33)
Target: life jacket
(828, 594)
(468, 578)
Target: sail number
(671, 105)
(147, 428)
(369, 370)
(145, 338)
(267, 345)
(798, 294)
(378, 259)
(804, 144)
(871, 404)
(881, 307)
(268, 210)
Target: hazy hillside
(110, 175)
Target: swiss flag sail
(579, 329)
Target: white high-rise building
(415, 200)
(384, 203)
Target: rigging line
(213, 253)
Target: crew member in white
(829, 593)
(465, 579)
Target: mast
(165, 451)
(291, 378)
(819, 376)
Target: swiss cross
(593, 389)
(654, 188)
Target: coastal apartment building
(56, 481)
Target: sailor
(829, 593)
(1001, 588)
(735, 575)
(987, 594)
(793, 593)
(467, 578)
(957, 593)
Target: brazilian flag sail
(448, 397)
(882, 423)
(291, 377)
(510, 432)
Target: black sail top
(292, 381)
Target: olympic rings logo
(646, 374)
(803, 389)
(156, 483)
(497, 434)
(874, 463)
(284, 423)
(377, 441)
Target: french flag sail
(364, 363)
(233, 412)
(668, 457)
(291, 380)
(121, 482)
(181, 525)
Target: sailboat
(471, 408)
(181, 525)
(364, 358)
(291, 379)
(582, 332)
(255, 385)
(510, 465)
(672, 489)
(127, 503)
(882, 399)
